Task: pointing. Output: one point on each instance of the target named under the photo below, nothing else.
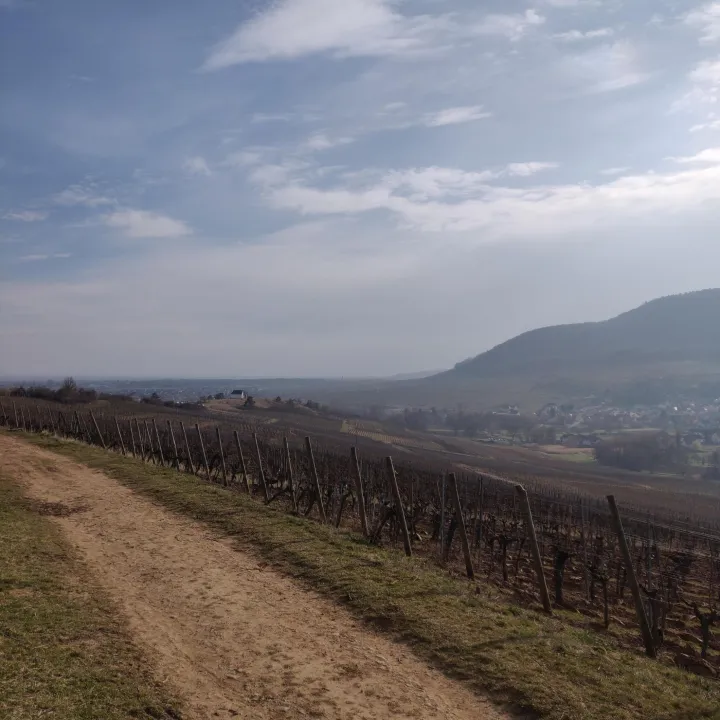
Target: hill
(677, 328)
(665, 349)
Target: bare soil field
(232, 635)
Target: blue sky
(313, 187)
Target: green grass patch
(64, 653)
(544, 666)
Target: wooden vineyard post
(632, 578)
(291, 482)
(141, 440)
(398, 506)
(222, 456)
(151, 446)
(174, 445)
(120, 437)
(52, 421)
(4, 415)
(17, 423)
(82, 428)
(97, 430)
(461, 526)
(359, 491)
(316, 478)
(586, 570)
(243, 467)
(159, 443)
(187, 449)
(203, 453)
(537, 558)
(261, 472)
(85, 429)
(132, 439)
(22, 418)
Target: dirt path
(235, 638)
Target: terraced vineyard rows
(386, 439)
(676, 562)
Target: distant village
(694, 423)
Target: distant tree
(219, 396)
(416, 420)
(250, 401)
(278, 399)
(69, 385)
(643, 452)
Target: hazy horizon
(222, 191)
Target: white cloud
(571, 3)
(707, 20)
(704, 87)
(81, 195)
(25, 215)
(455, 116)
(707, 72)
(145, 224)
(259, 118)
(512, 26)
(447, 199)
(197, 166)
(527, 169)
(320, 141)
(435, 182)
(244, 158)
(40, 257)
(572, 36)
(710, 155)
(709, 125)
(293, 28)
(605, 68)
(355, 28)
(615, 171)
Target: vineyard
(651, 580)
(357, 430)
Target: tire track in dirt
(235, 638)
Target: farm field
(359, 430)
(473, 634)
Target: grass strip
(65, 652)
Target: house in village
(578, 440)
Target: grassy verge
(544, 666)
(63, 652)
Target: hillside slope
(677, 328)
(666, 347)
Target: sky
(324, 188)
